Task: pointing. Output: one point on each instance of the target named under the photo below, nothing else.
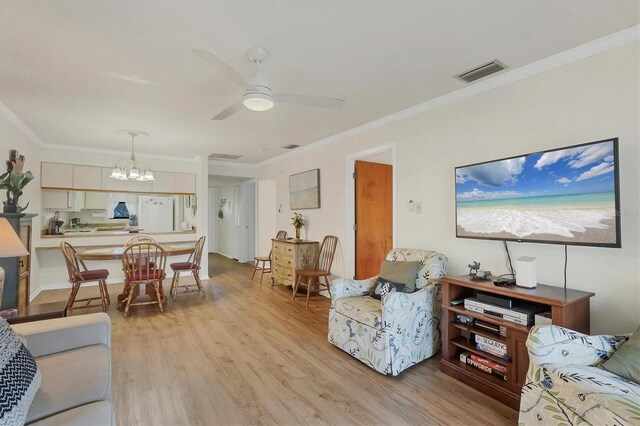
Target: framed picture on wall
(304, 190)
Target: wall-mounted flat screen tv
(562, 196)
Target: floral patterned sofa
(566, 386)
(397, 332)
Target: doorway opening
(232, 217)
(371, 209)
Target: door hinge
(355, 226)
(354, 175)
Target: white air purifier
(526, 268)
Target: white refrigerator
(155, 214)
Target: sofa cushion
(95, 414)
(433, 265)
(19, 377)
(401, 272)
(625, 361)
(70, 379)
(595, 394)
(384, 287)
(365, 310)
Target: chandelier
(132, 169)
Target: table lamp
(10, 246)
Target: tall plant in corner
(298, 222)
(14, 181)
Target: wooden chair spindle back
(197, 254)
(326, 254)
(75, 266)
(142, 238)
(144, 262)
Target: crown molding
(595, 47)
(21, 125)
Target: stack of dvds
(492, 347)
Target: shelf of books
(484, 330)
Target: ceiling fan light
(257, 101)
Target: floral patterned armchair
(400, 330)
(566, 386)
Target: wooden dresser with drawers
(289, 255)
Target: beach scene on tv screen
(566, 195)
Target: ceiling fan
(258, 95)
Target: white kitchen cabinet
(55, 175)
(165, 182)
(95, 200)
(73, 201)
(185, 183)
(87, 177)
(58, 200)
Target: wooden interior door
(374, 216)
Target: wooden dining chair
(261, 261)
(141, 238)
(191, 265)
(322, 269)
(79, 274)
(143, 263)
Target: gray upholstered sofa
(74, 357)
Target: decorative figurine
(475, 273)
(14, 181)
(473, 268)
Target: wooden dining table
(115, 253)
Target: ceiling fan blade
(220, 65)
(308, 100)
(228, 111)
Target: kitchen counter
(110, 238)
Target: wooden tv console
(570, 309)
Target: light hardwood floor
(247, 354)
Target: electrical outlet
(418, 207)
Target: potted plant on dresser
(298, 222)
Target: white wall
(592, 99)
(267, 212)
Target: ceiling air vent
(291, 146)
(481, 71)
(218, 156)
